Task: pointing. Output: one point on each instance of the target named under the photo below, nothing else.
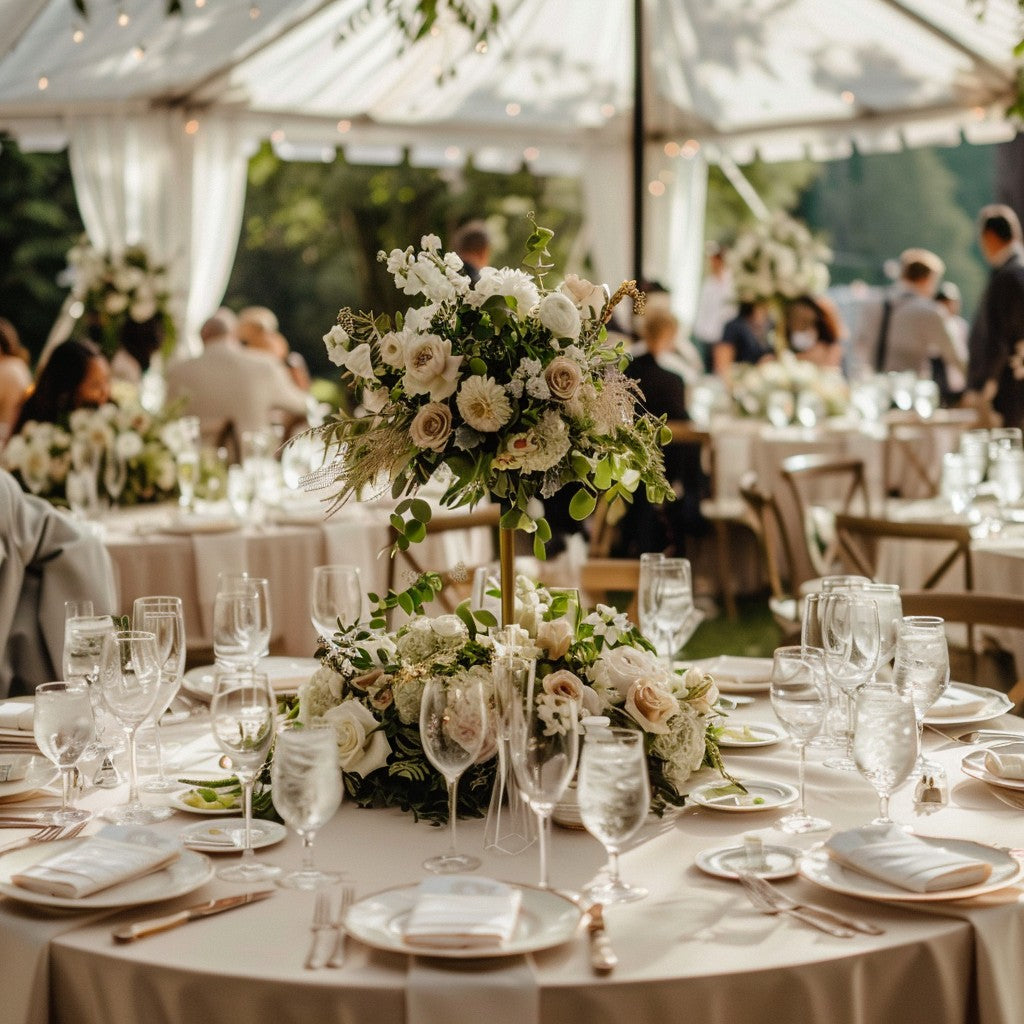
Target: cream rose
(430, 367)
(431, 426)
(392, 349)
(589, 298)
(554, 638)
(559, 315)
(651, 706)
(563, 377)
(362, 746)
(616, 670)
(563, 683)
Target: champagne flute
(242, 718)
(335, 596)
(130, 683)
(453, 728)
(306, 779)
(64, 729)
(164, 618)
(614, 797)
(885, 742)
(922, 671)
(799, 701)
(544, 746)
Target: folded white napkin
(117, 854)
(956, 702)
(1007, 764)
(890, 854)
(462, 912)
(729, 669)
(14, 767)
(16, 716)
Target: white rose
(554, 638)
(651, 706)
(392, 349)
(337, 341)
(589, 298)
(362, 746)
(430, 367)
(616, 670)
(559, 315)
(431, 426)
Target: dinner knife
(140, 929)
(602, 957)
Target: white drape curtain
(606, 188)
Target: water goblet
(812, 621)
(80, 662)
(241, 620)
(666, 610)
(614, 797)
(453, 730)
(336, 596)
(306, 779)
(242, 714)
(129, 680)
(115, 474)
(922, 670)
(885, 742)
(544, 746)
(187, 463)
(239, 491)
(64, 729)
(956, 485)
(974, 449)
(799, 700)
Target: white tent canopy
(161, 113)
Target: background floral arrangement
(778, 259)
(518, 390)
(792, 385)
(114, 289)
(370, 683)
(41, 454)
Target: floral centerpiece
(370, 682)
(788, 390)
(120, 443)
(113, 289)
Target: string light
(689, 149)
(846, 96)
(200, 3)
(344, 126)
(607, 109)
(656, 188)
(138, 51)
(277, 136)
(481, 47)
(44, 83)
(672, 149)
(512, 109)
(254, 12)
(124, 19)
(453, 153)
(191, 126)
(531, 153)
(78, 35)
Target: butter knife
(602, 957)
(140, 929)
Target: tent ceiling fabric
(785, 77)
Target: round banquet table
(694, 946)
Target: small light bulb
(124, 19)
(191, 126)
(78, 35)
(44, 82)
(254, 12)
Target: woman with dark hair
(75, 376)
(15, 376)
(744, 340)
(140, 341)
(814, 330)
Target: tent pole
(638, 142)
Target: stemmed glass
(130, 682)
(241, 620)
(164, 618)
(64, 728)
(335, 594)
(614, 797)
(306, 779)
(667, 615)
(453, 729)
(242, 718)
(544, 746)
(799, 700)
(922, 670)
(187, 464)
(115, 474)
(884, 743)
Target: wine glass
(239, 491)
(306, 779)
(922, 670)
(544, 745)
(130, 683)
(799, 700)
(614, 797)
(667, 615)
(115, 474)
(83, 648)
(453, 728)
(335, 595)
(64, 729)
(187, 463)
(242, 718)
(163, 617)
(886, 597)
(241, 620)
(884, 742)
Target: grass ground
(753, 633)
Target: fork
(338, 956)
(768, 903)
(785, 902)
(46, 835)
(317, 956)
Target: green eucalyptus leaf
(420, 510)
(582, 505)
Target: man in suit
(473, 246)
(995, 374)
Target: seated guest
(15, 376)
(229, 383)
(814, 330)
(76, 376)
(744, 340)
(46, 558)
(258, 329)
(139, 343)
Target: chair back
(913, 449)
(602, 577)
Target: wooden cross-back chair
(602, 577)
(912, 463)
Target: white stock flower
(362, 745)
(483, 404)
(558, 313)
(504, 281)
(430, 367)
(417, 319)
(430, 242)
(337, 341)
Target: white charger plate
(186, 874)
(996, 704)
(285, 675)
(770, 795)
(974, 765)
(546, 919)
(735, 674)
(762, 734)
(818, 867)
(230, 838)
(41, 773)
(728, 861)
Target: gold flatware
(140, 929)
(602, 957)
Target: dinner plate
(176, 799)
(974, 765)
(760, 796)
(728, 861)
(230, 838)
(41, 773)
(751, 734)
(734, 674)
(996, 704)
(545, 920)
(286, 674)
(187, 873)
(200, 524)
(818, 867)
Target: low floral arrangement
(778, 259)
(788, 390)
(515, 388)
(370, 682)
(122, 444)
(116, 288)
